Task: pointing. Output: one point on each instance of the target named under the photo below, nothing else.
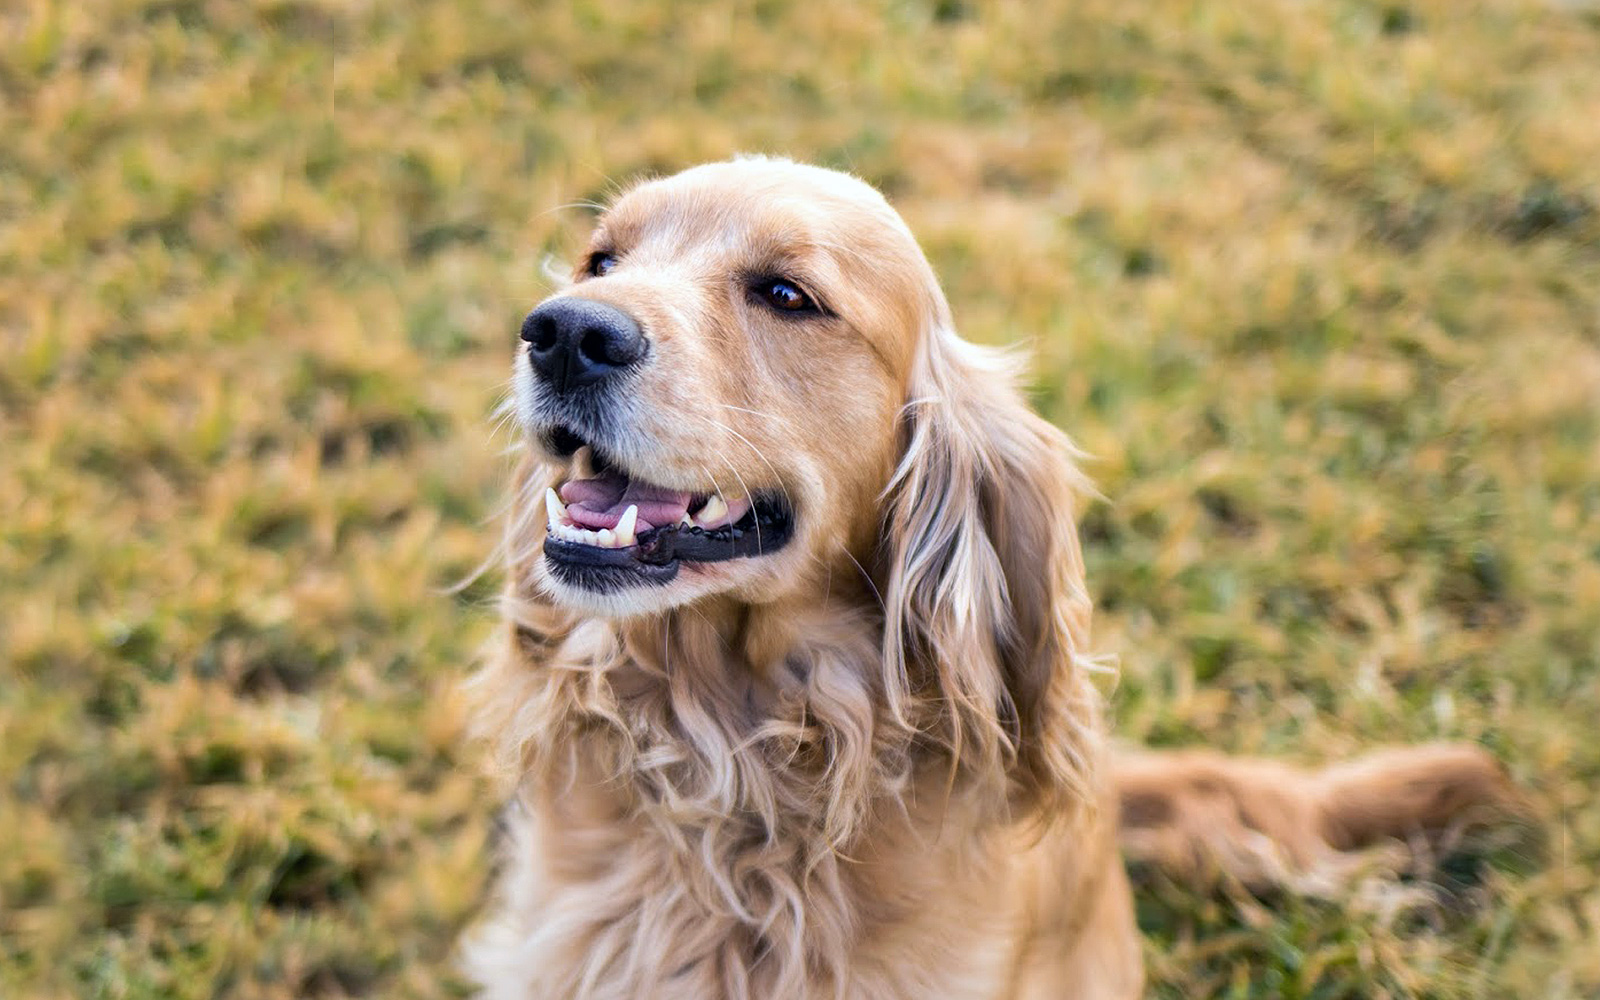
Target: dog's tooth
(606, 539)
(554, 509)
(624, 530)
(685, 521)
(715, 508)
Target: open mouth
(614, 529)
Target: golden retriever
(793, 681)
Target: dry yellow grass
(1319, 284)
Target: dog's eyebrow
(788, 266)
(615, 230)
(603, 237)
(790, 253)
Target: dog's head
(724, 377)
(752, 391)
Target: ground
(1318, 284)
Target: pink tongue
(600, 502)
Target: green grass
(1318, 284)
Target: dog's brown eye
(783, 296)
(601, 263)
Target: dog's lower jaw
(757, 580)
(691, 584)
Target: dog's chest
(613, 908)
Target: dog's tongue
(600, 502)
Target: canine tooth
(715, 508)
(624, 530)
(554, 509)
(606, 539)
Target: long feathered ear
(986, 610)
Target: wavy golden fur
(865, 759)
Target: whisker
(742, 484)
(758, 413)
(759, 454)
(504, 411)
(865, 576)
(592, 205)
(714, 484)
(746, 487)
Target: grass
(1319, 284)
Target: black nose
(574, 342)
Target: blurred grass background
(1318, 283)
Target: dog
(794, 681)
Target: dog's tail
(1204, 819)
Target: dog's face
(721, 385)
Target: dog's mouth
(615, 529)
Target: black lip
(655, 560)
(592, 568)
(563, 441)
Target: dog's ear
(986, 609)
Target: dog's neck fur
(705, 778)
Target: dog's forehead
(832, 232)
(756, 204)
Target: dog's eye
(783, 296)
(601, 263)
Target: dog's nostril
(595, 347)
(544, 334)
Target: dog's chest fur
(670, 841)
(604, 904)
